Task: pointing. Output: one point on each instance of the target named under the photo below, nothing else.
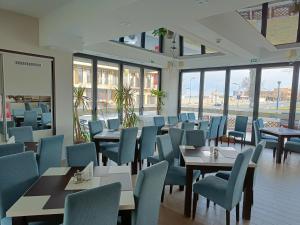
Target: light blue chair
(18, 112)
(46, 120)
(147, 193)
(44, 107)
(270, 142)
(221, 130)
(177, 139)
(212, 133)
(81, 155)
(261, 125)
(176, 175)
(203, 125)
(172, 120)
(21, 134)
(30, 119)
(159, 121)
(191, 117)
(195, 138)
(38, 110)
(50, 152)
(113, 124)
(27, 106)
(293, 145)
(17, 173)
(147, 144)
(97, 206)
(240, 129)
(183, 117)
(125, 152)
(187, 125)
(226, 193)
(10, 149)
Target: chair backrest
(237, 178)
(222, 126)
(257, 134)
(81, 154)
(148, 141)
(30, 119)
(22, 134)
(97, 206)
(165, 149)
(113, 124)
(159, 121)
(176, 136)
(38, 110)
(147, 194)
(214, 127)
(10, 149)
(188, 125)
(260, 122)
(241, 123)
(183, 117)
(95, 127)
(127, 145)
(203, 125)
(257, 152)
(18, 112)
(27, 106)
(191, 116)
(46, 118)
(172, 120)
(17, 173)
(50, 152)
(195, 138)
(44, 107)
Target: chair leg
(285, 155)
(207, 203)
(195, 200)
(274, 153)
(242, 143)
(148, 164)
(162, 194)
(227, 217)
(181, 188)
(104, 160)
(171, 189)
(237, 212)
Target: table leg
(216, 141)
(134, 164)
(125, 217)
(188, 191)
(279, 149)
(248, 194)
(19, 221)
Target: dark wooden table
(282, 133)
(114, 136)
(44, 201)
(31, 146)
(200, 159)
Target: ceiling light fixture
(200, 2)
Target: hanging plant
(160, 95)
(160, 32)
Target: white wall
(20, 33)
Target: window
(214, 88)
(151, 81)
(191, 47)
(82, 73)
(134, 39)
(151, 42)
(108, 81)
(253, 15)
(131, 78)
(241, 97)
(282, 23)
(190, 92)
(275, 95)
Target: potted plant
(160, 95)
(163, 32)
(80, 100)
(124, 99)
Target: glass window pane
(151, 79)
(151, 42)
(209, 50)
(253, 15)
(282, 23)
(107, 82)
(214, 87)
(241, 97)
(191, 47)
(134, 39)
(190, 92)
(131, 78)
(275, 95)
(82, 78)
(297, 116)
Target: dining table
(45, 199)
(281, 133)
(109, 135)
(202, 159)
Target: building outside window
(151, 80)
(151, 42)
(131, 78)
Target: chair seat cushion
(269, 137)
(106, 145)
(295, 140)
(270, 143)
(213, 188)
(292, 146)
(177, 175)
(153, 159)
(236, 134)
(112, 154)
(223, 174)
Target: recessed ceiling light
(200, 2)
(125, 23)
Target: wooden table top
(112, 134)
(281, 131)
(202, 156)
(47, 195)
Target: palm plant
(80, 100)
(160, 95)
(124, 99)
